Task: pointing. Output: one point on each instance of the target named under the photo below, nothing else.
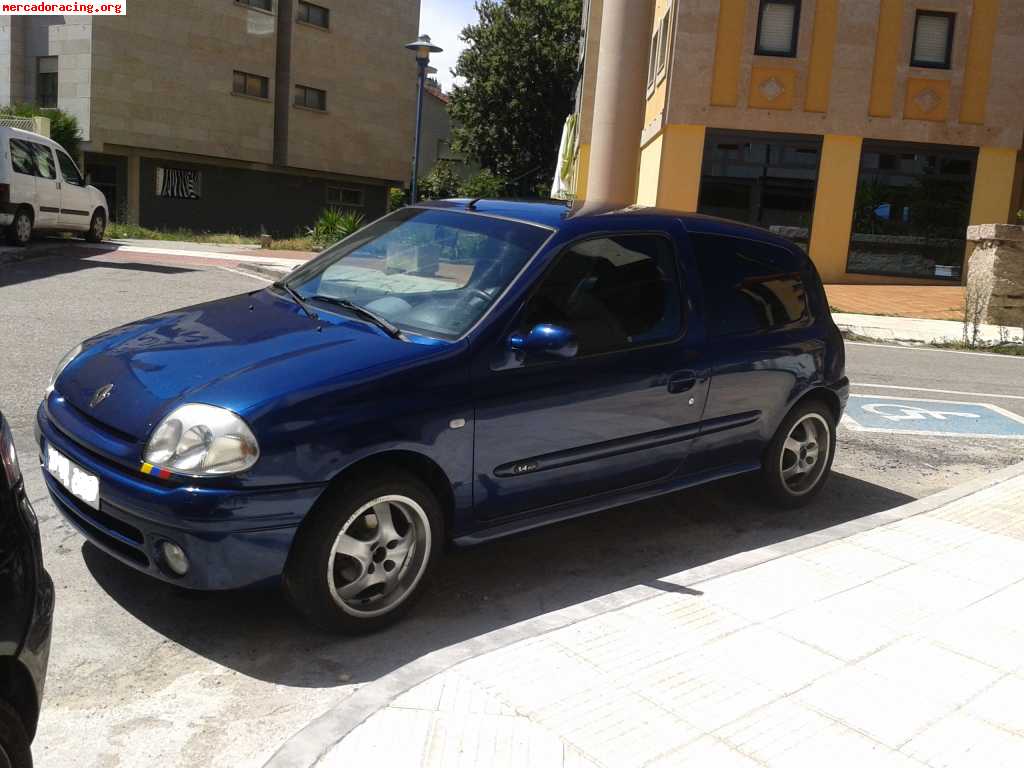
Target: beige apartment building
(228, 115)
(870, 131)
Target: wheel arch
(821, 394)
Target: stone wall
(995, 273)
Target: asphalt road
(146, 674)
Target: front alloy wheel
(361, 557)
(20, 231)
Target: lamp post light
(422, 47)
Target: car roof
(18, 133)
(557, 213)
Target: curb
(305, 748)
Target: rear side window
(612, 292)
(749, 286)
(44, 160)
(21, 157)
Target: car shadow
(58, 257)
(484, 588)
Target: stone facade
(996, 273)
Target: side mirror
(547, 339)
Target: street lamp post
(422, 47)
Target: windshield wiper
(297, 297)
(387, 326)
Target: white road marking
(933, 349)
(253, 275)
(936, 391)
(235, 257)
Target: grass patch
(119, 231)
(292, 244)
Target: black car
(26, 612)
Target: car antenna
(471, 205)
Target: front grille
(107, 531)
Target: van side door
(74, 197)
(47, 187)
(764, 345)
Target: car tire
(362, 556)
(97, 227)
(20, 231)
(14, 741)
(799, 458)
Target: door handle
(683, 381)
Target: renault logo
(101, 394)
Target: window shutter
(931, 40)
(777, 22)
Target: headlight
(200, 440)
(62, 365)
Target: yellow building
(870, 131)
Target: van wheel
(14, 743)
(20, 231)
(361, 558)
(97, 227)
(799, 457)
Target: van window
(749, 286)
(21, 157)
(612, 292)
(69, 170)
(44, 160)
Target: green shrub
(442, 182)
(333, 225)
(396, 198)
(484, 184)
(63, 125)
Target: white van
(41, 188)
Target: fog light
(174, 558)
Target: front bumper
(233, 537)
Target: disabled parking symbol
(913, 416)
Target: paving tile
(846, 556)
(389, 737)
(917, 665)
(1002, 704)
(963, 741)
(486, 740)
(875, 706)
(976, 633)
(828, 627)
(707, 752)
(901, 544)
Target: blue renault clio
(456, 371)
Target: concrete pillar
(619, 102)
(133, 189)
(283, 80)
(995, 277)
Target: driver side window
(69, 170)
(611, 293)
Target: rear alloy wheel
(800, 455)
(20, 231)
(97, 227)
(359, 561)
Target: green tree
(519, 68)
(483, 184)
(63, 125)
(442, 182)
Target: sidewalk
(885, 328)
(892, 640)
(927, 302)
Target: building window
(344, 197)
(247, 84)
(263, 5)
(662, 44)
(311, 98)
(46, 81)
(778, 27)
(659, 51)
(652, 60)
(766, 179)
(911, 210)
(314, 14)
(933, 40)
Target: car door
(47, 187)
(552, 430)
(74, 197)
(765, 347)
(23, 173)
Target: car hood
(244, 353)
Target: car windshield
(428, 271)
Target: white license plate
(83, 485)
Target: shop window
(911, 210)
(778, 26)
(765, 179)
(933, 39)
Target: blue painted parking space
(910, 415)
